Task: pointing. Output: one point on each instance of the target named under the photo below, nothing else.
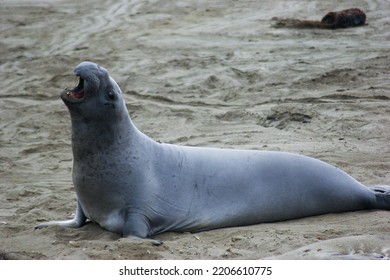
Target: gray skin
(130, 184)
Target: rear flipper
(382, 195)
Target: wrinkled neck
(92, 137)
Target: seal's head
(96, 96)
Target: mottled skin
(130, 184)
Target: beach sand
(200, 73)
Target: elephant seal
(353, 17)
(130, 184)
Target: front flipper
(76, 222)
(136, 227)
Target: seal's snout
(90, 77)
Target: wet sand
(201, 73)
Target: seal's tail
(382, 195)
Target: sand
(201, 73)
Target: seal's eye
(111, 95)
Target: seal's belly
(111, 220)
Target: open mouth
(77, 93)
